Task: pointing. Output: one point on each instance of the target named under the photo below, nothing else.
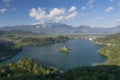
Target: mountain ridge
(53, 28)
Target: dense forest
(92, 73)
(10, 45)
(43, 41)
(29, 38)
(8, 49)
(27, 69)
(111, 48)
(112, 39)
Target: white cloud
(72, 15)
(59, 18)
(55, 14)
(3, 10)
(73, 8)
(108, 9)
(117, 20)
(100, 18)
(83, 8)
(90, 3)
(38, 14)
(37, 23)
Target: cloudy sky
(94, 13)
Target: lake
(83, 53)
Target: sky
(94, 13)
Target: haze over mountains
(57, 28)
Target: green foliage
(43, 41)
(27, 69)
(112, 39)
(92, 73)
(64, 50)
(8, 48)
(111, 48)
(19, 33)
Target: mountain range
(57, 28)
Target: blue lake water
(83, 53)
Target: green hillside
(20, 33)
(92, 73)
(27, 69)
(111, 48)
(9, 46)
(8, 49)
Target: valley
(59, 39)
(37, 54)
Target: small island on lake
(64, 49)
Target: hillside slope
(27, 69)
(20, 33)
(111, 48)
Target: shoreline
(82, 39)
(110, 51)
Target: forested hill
(27, 69)
(112, 39)
(8, 49)
(9, 46)
(92, 73)
(19, 33)
(111, 48)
